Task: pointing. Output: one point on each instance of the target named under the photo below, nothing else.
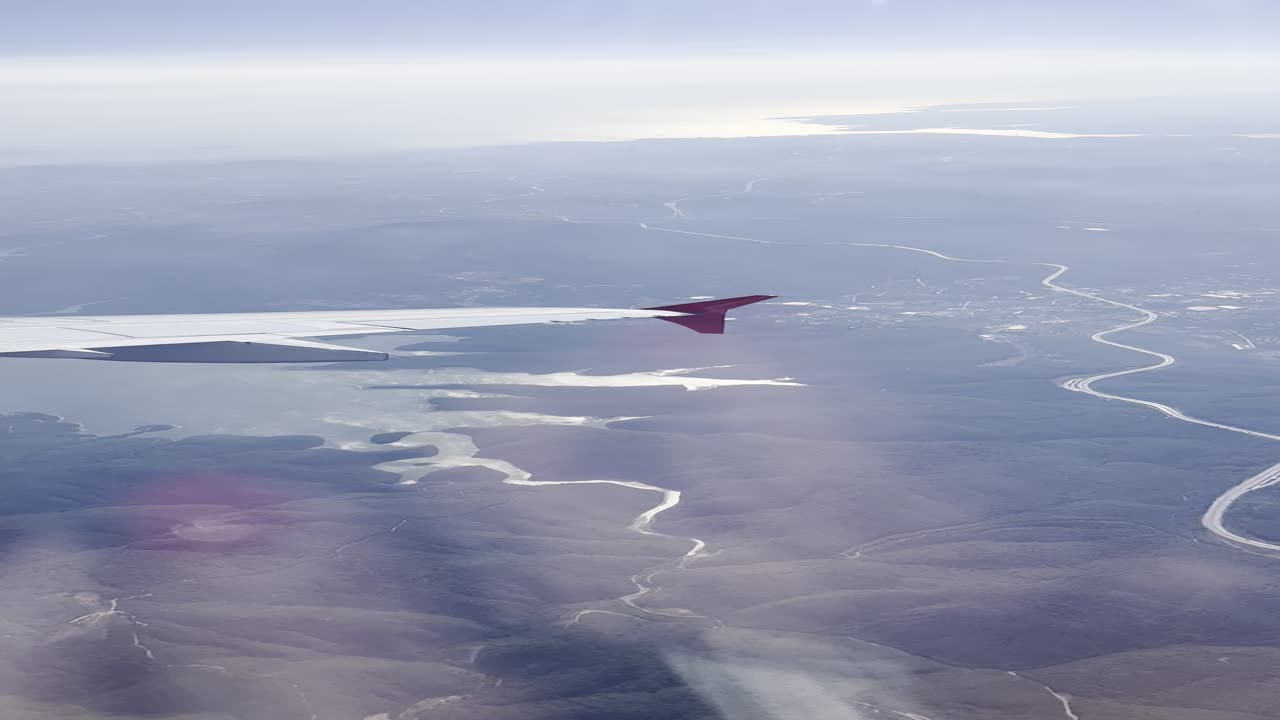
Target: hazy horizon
(166, 81)
(158, 108)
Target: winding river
(1213, 518)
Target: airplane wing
(274, 337)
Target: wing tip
(707, 316)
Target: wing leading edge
(279, 337)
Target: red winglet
(707, 316)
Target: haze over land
(135, 80)
(976, 461)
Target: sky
(85, 80)
(55, 27)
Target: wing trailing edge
(245, 349)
